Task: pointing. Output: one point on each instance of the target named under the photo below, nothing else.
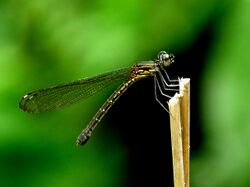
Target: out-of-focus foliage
(225, 105)
(44, 42)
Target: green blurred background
(45, 42)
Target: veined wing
(54, 97)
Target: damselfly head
(165, 59)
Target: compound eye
(163, 55)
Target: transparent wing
(51, 98)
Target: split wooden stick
(179, 110)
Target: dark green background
(45, 42)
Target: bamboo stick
(179, 109)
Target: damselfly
(51, 98)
